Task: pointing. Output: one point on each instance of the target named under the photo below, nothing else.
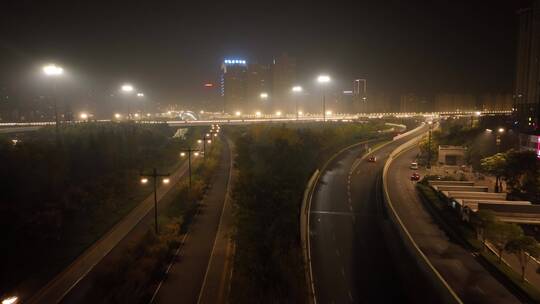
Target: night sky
(169, 49)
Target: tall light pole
(296, 91)
(500, 131)
(155, 175)
(53, 71)
(323, 80)
(430, 123)
(189, 151)
(207, 138)
(127, 89)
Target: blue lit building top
(234, 61)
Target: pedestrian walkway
(64, 282)
(186, 276)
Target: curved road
(469, 279)
(351, 261)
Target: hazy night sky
(170, 49)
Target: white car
(414, 166)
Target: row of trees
(58, 198)
(274, 164)
(506, 237)
(520, 171)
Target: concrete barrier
(304, 235)
(439, 283)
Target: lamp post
(498, 139)
(189, 151)
(296, 90)
(53, 71)
(323, 80)
(154, 175)
(127, 89)
(207, 138)
(430, 123)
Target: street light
(323, 80)
(54, 71)
(140, 94)
(264, 95)
(296, 90)
(127, 89)
(278, 113)
(258, 113)
(117, 115)
(10, 300)
(430, 123)
(238, 113)
(154, 175)
(188, 152)
(84, 116)
(498, 139)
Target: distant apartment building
(359, 96)
(234, 84)
(283, 79)
(258, 81)
(527, 79)
(409, 103)
(455, 102)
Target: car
(415, 176)
(372, 159)
(414, 166)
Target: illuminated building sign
(234, 61)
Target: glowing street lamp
(264, 96)
(127, 89)
(54, 71)
(83, 116)
(140, 94)
(238, 113)
(117, 115)
(258, 113)
(278, 113)
(154, 175)
(297, 90)
(323, 80)
(188, 152)
(10, 300)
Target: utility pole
(154, 175)
(188, 151)
(429, 145)
(206, 138)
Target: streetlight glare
(501, 130)
(300, 113)
(182, 154)
(209, 141)
(199, 141)
(278, 113)
(238, 113)
(264, 95)
(297, 89)
(10, 300)
(196, 153)
(140, 94)
(83, 116)
(323, 79)
(144, 180)
(166, 181)
(117, 115)
(53, 70)
(127, 88)
(328, 112)
(258, 113)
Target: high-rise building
(258, 82)
(360, 95)
(283, 79)
(233, 84)
(527, 89)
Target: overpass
(232, 119)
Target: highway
(351, 260)
(467, 277)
